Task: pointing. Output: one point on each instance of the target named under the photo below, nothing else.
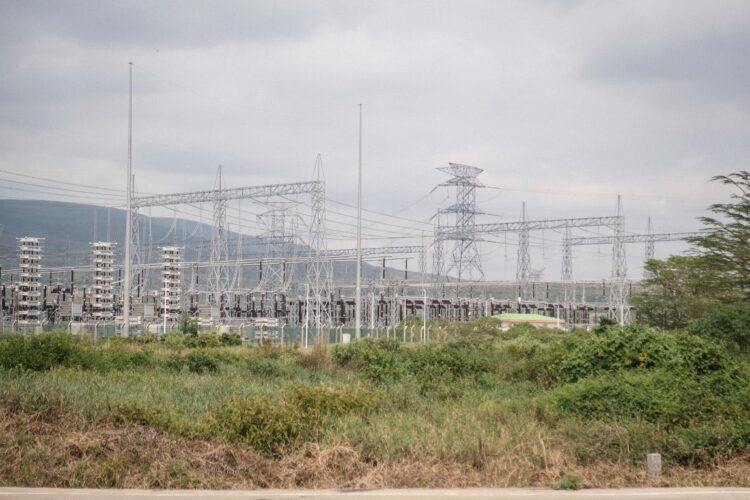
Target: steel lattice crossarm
(453, 232)
(631, 238)
(462, 175)
(214, 195)
(342, 255)
(383, 251)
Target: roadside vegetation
(479, 408)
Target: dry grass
(60, 449)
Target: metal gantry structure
(649, 239)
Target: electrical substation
(289, 291)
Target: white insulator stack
(170, 275)
(103, 297)
(28, 289)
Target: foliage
(188, 324)
(670, 398)
(264, 367)
(270, 427)
(230, 339)
(49, 350)
(539, 398)
(37, 352)
(200, 341)
(265, 425)
(569, 483)
(639, 347)
(729, 323)
(384, 361)
(725, 245)
(378, 360)
(604, 325)
(320, 401)
(677, 290)
(684, 288)
(535, 358)
(202, 362)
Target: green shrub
(188, 324)
(230, 339)
(146, 338)
(672, 398)
(199, 341)
(174, 363)
(457, 358)
(121, 357)
(535, 358)
(639, 347)
(203, 340)
(38, 352)
(321, 401)
(202, 362)
(728, 323)
(264, 367)
(174, 339)
(569, 483)
(268, 427)
(699, 445)
(377, 360)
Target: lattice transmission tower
(465, 260)
(619, 268)
(524, 258)
(320, 271)
(218, 279)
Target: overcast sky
(563, 104)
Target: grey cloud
(171, 23)
(717, 66)
(552, 101)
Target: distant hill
(68, 229)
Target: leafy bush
(670, 397)
(267, 426)
(264, 367)
(569, 483)
(38, 352)
(174, 363)
(48, 350)
(636, 347)
(188, 324)
(319, 401)
(121, 357)
(383, 361)
(202, 362)
(728, 323)
(377, 360)
(200, 341)
(230, 339)
(535, 358)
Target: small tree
(679, 289)
(726, 245)
(729, 323)
(188, 324)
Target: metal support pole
(128, 222)
(358, 294)
(424, 315)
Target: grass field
(478, 408)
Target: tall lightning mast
(358, 294)
(128, 215)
